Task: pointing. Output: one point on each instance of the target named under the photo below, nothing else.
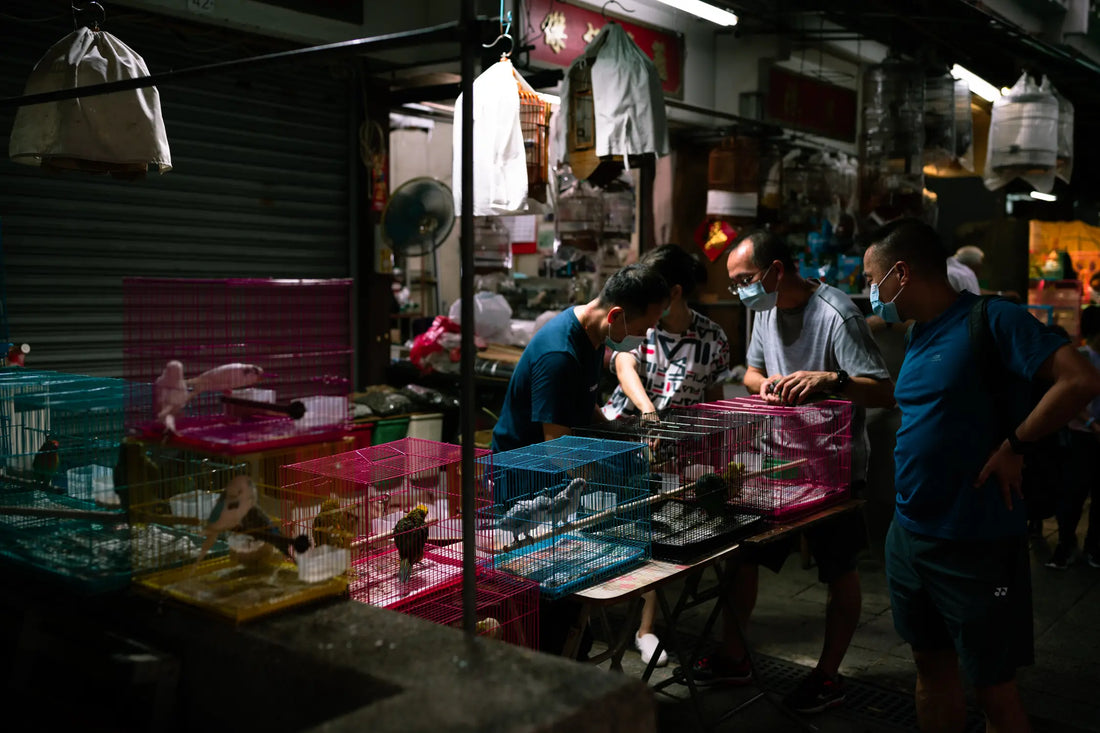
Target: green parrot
(410, 534)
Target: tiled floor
(1062, 690)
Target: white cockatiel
(170, 394)
(226, 377)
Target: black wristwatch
(1019, 447)
(842, 380)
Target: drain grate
(865, 703)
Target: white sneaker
(647, 644)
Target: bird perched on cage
(137, 478)
(46, 464)
(410, 534)
(334, 525)
(238, 497)
(525, 514)
(226, 378)
(734, 476)
(490, 627)
(567, 501)
(170, 394)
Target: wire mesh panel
(570, 512)
(693, 467)
(237, 365)
(396, 509)
(799, 456)
(507, 607)
(70, 406)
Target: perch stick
(638, 503)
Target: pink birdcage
(507, 607)
(237, 365)
(356, 504)
(797, 457)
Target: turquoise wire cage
(570, 512)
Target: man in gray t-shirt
(809, 340)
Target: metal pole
(469, 49)
(435, 34)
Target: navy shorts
(834, 543)
(970, 596)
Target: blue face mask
(886, 311)
(754, 297)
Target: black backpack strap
(991, 368)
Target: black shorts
(972, 596)
(834, 544)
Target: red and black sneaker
(718, 670)
(816, 693)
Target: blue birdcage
(570, 512)
(5, 335)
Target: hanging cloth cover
(500, 160)
(120, 133)
(628, 102)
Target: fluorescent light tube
(978, 85)
(706, 11)
(1043, 196)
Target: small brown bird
(410, 534)
(334, 525)
(47, 462)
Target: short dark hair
(634, 288)
(678, 267)
(913, 241)
(1090, 321)
(767, 247)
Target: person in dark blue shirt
(956, 554)
(555, 385)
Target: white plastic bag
(1023, 137)
(492, 316)
(500, 160)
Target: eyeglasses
(745, 281)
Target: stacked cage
(201, 537)
(570, 512)
(796, 457)
(693, 476)
(507, 607)
(237, 365)
(388, 515)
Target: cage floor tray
(682, 531)
(244, 436)
(229, 589)
(569, 563)
(374, 580)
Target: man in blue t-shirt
(956, 553)
(555, 386)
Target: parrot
(334, 525)
(47, 462)
(257, 524)
(226, 378)
(170, 394)
(135, 468)
(410, 534)
(732, 475)
(489, 627)
(524, 515)
(566, 502)
(711, 493)
(238, 498)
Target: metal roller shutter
(260, 187)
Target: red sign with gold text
(562, 31)
(808, 104)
